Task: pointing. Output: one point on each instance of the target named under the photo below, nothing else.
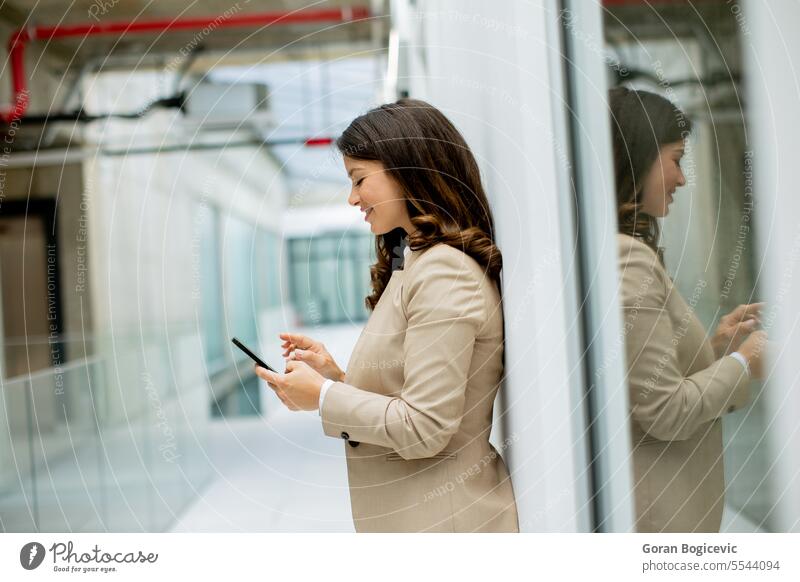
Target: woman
(680, 382)
(415, 404)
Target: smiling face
(378, 195)
(664, 176)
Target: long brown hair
(641, 123)
(439, 178)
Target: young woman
(415, 404)
(680, 382)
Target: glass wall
(240, 295)
(240, 279)
(268, 267)
(210, 286)
(693, 56)
(329, 277)
(105, 445)
(117, 441)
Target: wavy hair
(439, 177)
(641, 123)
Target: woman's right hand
(300, 347)
(734, 327)
(753, 349)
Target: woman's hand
(298, 388)
(753, 349)
(734, 327)
(303, 348)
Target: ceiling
(285, 40)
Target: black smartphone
(254, 357)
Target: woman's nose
(681, 178)
(352, 200)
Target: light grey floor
(275, 473)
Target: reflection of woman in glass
(680, 382)
(415, 404)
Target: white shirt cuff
(741, 359)
(325, 385)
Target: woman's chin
(662, 213)
(379, 230)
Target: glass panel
(330, 277)
(96, 448)
(692, 57)
(18, 449)
(240, 290)
(211, 323)
(268, 268)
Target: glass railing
(111, 442)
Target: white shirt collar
(406, 250)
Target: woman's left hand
(298, 388)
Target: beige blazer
(678, 392)
(416, 404)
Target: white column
(771, 48)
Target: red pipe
(318, 141)
(18, 40)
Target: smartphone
(254, 357)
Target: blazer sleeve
(445, 309)
(665, 403)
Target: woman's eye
(358, 182)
